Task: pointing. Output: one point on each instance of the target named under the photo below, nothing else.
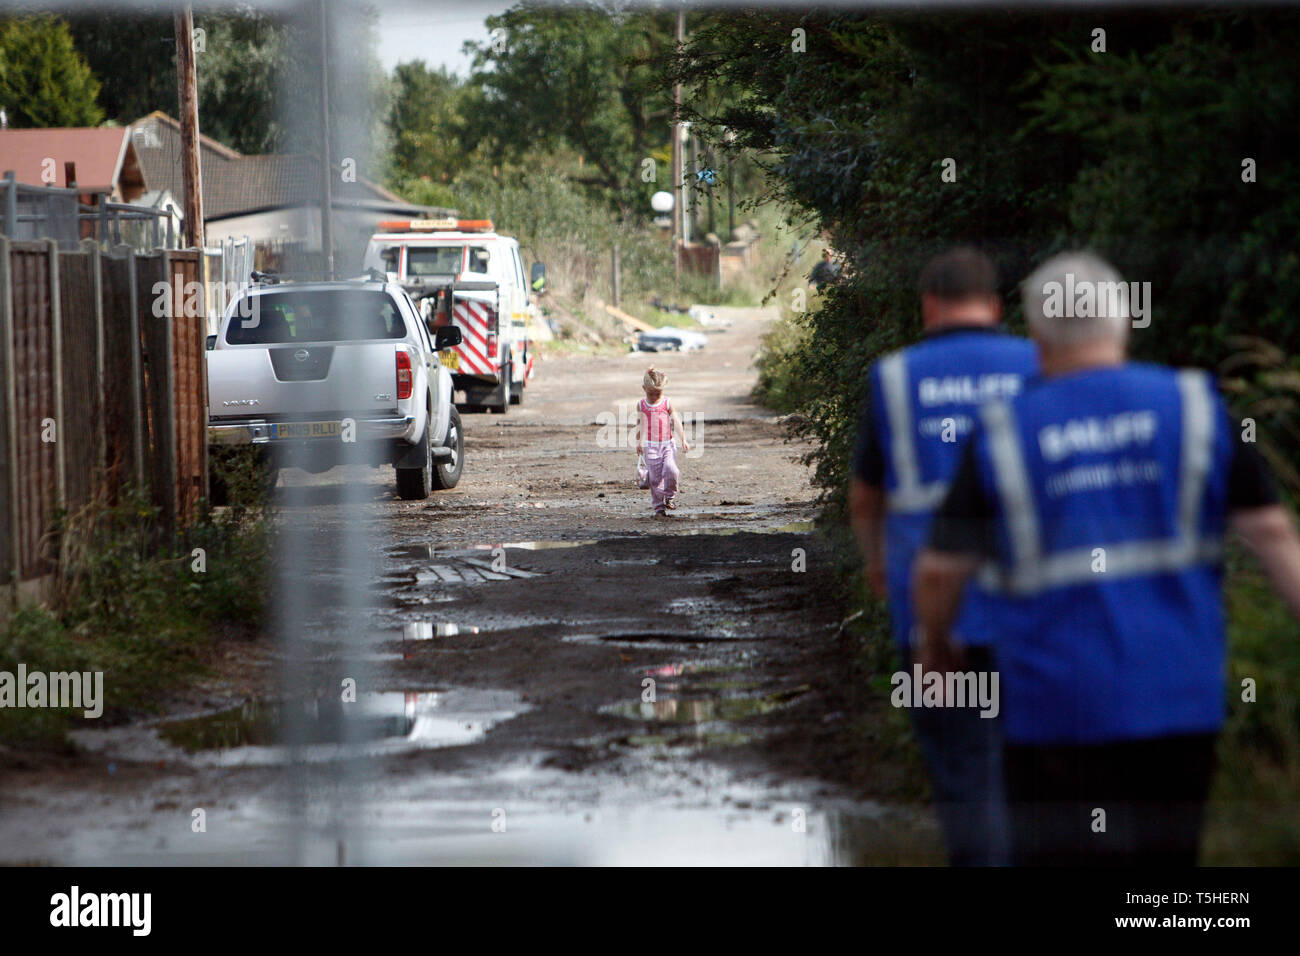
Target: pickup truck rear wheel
(414, 484)
(446, 472)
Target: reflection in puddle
(331, 729)
(721, 678)
(427, 630)
(656, 639)
(696, 739)
(699, 710)
(427, 831)
(794, 527)
(323, 721)
(696, 701)
(415, 551)
(536, 545)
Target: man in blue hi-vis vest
(921, 403)
(1097, 503)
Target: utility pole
(678, 192)
(729, 141)
(326, 169)
(188, 87)
(708, 164)
(688, 220)
(731, 197)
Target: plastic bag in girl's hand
(642, 473)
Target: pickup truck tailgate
(298, 380)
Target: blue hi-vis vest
(925, 399)
(1111, 493)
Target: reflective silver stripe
(910, 496)
(1126, 560)
(898, 409)
(1013, 488)
(1033, 574)
(919, 500)
(1198, 443)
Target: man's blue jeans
(963, 754)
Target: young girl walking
(657, 428)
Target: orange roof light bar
(436, 225)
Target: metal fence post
(8, 426)
(91, 248)
(11, 204)
(56, 339)
(137, 375)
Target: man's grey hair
(1076, 297)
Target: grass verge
(1251, 818)
(145, 614)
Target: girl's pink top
(658, 419)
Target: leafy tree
(43, 79)
(1136, 152)
(578, 78)
(240, 67)
(257, 76)
(132, 51)
(1162, 185)
(239, 75)
(427, 123)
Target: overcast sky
(433, 31)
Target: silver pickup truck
(317, 374)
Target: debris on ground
(670, 339)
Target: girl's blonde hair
(653, 380)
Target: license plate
(305, 430)
(449, 359)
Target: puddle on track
(428, 630)
(664, 640)
(704, 710)
(376, 724)
(700, 705)
(794, 527)
(448, 820)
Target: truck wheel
(446, 473)
(502, 405)
(414, 484)
(517, 392)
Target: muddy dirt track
(543, 672)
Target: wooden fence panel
(154, 294)
(80, 428)
(35, 405)
(123, 389)
(103, 378)
(189, 391)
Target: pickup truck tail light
(404, 377)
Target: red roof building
(105, 159)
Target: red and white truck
(463, 273)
